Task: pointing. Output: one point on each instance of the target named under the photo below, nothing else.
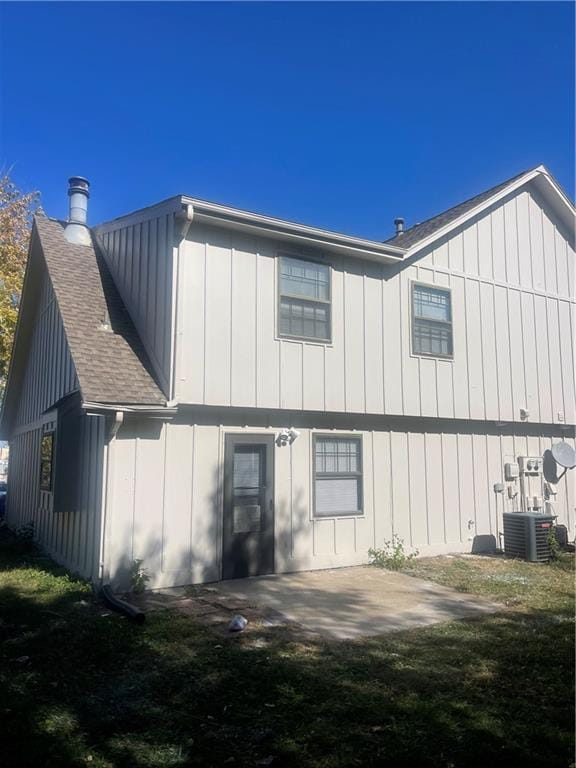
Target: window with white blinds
(304, 299)
(337, 476)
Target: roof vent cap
(399, 224)
(76, 230)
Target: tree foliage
(16, 210)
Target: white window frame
(279, 295)
(450, 324)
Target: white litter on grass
(273, 622)
(507, 577)
(559, 619)
(238, 623)
(260, 642)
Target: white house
(220, 393)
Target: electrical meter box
(530, 465)
(511, 471)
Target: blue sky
(342, 115)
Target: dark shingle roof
(111, 365)
(426, 228)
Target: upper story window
(431, 321)
(304, 299)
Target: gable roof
(428, 227)
(111, 364)
(393, 250)
(439, 225)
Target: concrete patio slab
(351, 603)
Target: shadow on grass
(79, 687)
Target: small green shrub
(553, 543)
(139, 577)
(392, 555)
(25, 533)
(21, 538)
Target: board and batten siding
(432, 488)
(511, 274)
(140, 256)
(50, 373)
(67, 521)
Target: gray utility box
(526, 535)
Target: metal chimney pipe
(76, 230)
(399, 224)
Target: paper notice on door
(247, 519)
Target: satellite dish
(564, 455)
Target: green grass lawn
(81, 686)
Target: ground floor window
(337, 476)
(47, 461)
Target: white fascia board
(143, 410)
(538, 173)
(257, 224)
(279, 229)
(24, 324)
(554, 192)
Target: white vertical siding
(566, 332)
(489, 342)
(509, 274)
(50, 372)
(373, 335)
(411, 382)
(218, 286)
(433, 488)
(291, 379)
(392, 347)
(474, 332)
(177, 501)
(450, 486)
(354, 342)
(334, 356)
(67, 521)
(140, 256)
(243, 321)
(313, 387)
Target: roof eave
(14, 364)
(256, 224)
(96, 407)
(279, 229)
